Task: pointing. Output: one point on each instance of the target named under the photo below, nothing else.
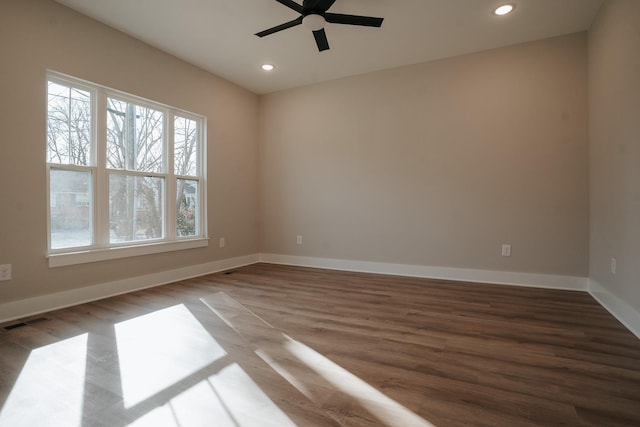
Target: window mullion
(202, 177)
(170, 184)
(101, 198)
(48, 208)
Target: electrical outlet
(222, 242)
(5, 272)
(614, 265)
(299, 239)
(506, 250)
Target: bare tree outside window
(68, 125)
(134, 137)
(135, 142)
(185, 165)
(69, 145)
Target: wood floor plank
(269, 345)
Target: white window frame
(101, 249)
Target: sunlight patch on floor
(227, 399)
(285, 370)
(322, 381)
(387, 410)
(61, 366)
(159, 349)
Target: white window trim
(103, 254)
(101, 250)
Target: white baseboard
(622, 311)
(459, 274)
(40, 304)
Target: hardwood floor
(284, 346)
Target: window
(125, 175)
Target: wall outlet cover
(506, 250)
(5, 272)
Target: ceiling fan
(313, 15)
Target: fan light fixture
(314, 22)
(504, 9)
(267, 67)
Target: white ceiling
(218, 35)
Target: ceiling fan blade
(292, 5)
(319, 6)
(321, 40)
(280, 27)
(365, 21)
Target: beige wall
(435, 164)
(614, 131)
(36, 35)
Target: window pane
(70, 208)
(135, 208)
(188, 208)
(115, 133)
(135, 137)
(68, 125)
(185, 146)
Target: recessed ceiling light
(267, 67)
(504, 9)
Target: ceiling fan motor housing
(314, 16)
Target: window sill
(93, 255)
